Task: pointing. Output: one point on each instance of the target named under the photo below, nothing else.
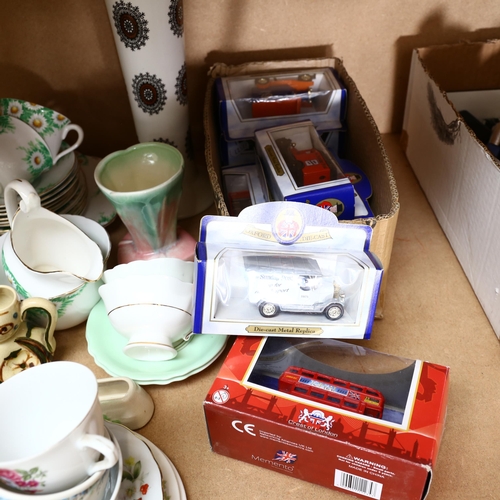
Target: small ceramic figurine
(22, 343)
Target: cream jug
(48, 245)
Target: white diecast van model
(292, 283)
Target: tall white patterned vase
(149, 37)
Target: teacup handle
(68, 128)
(29, 198)
(51, 310)
(104, 446)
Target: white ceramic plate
(173, 482)
(141, 476)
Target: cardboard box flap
(446, 64)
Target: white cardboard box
(459, 176)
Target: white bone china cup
(153, 312)
(52, 429)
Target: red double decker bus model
(332, 391)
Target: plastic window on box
(281, 94)
(294, 288)
(306, 158)
(333, 374)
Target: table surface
(430, 313)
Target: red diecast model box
(331, 413)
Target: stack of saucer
(146, 469)
(62, 189)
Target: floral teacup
(23, 153)
(51, 126)
(63, 437)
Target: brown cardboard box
(363, 147)
(459, 176)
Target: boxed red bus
(331, 413)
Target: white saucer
(112, 487)
(141, 475)
(3, 277)
(168, 470)
(137, 448)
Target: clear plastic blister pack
(285, 268)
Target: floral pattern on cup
(44, 120)
(23, 153)
(37, 157)
(134, 485)
(28, 481)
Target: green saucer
(105, 344)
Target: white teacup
(52, 127)
(153, 312)
(60, 439)
(165, 266)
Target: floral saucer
(99, 208)
(141, 475)
(170, 474)
(70, 171)
(105, 344)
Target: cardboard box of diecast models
(362, 145)
(285, 269)
(331, 413)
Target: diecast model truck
(288, 283)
